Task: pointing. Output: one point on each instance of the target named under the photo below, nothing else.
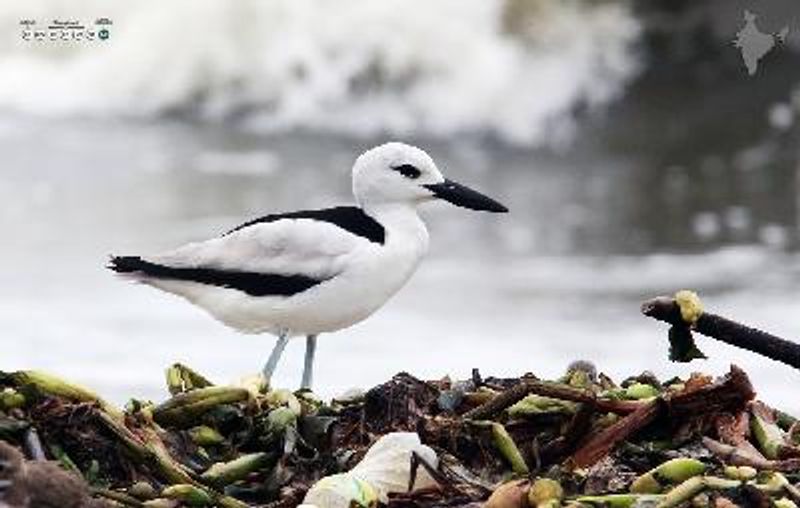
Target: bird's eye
(408, 171)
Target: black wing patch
(252, 283)
(349, 218)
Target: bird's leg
(277, 351)
(308, 365)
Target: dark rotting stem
(416, 461)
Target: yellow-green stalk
(769, 436)
(508, 448)
(224, 473)
(671, 471)
(617, 500)
(536, 405)
(693, 486)
(640, 391)
(742, 473)
(41, 383)
(203, 435)
(183, 409)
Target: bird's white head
(397, 173)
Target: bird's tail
(127, 264)
(144, 270)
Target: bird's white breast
(372, 274)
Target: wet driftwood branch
(730, 394)
(736, 334)
(603, 442)
(566, 444)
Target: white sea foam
(511, 68)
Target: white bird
(315, 271)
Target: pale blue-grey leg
(275, 356)
(308, 365)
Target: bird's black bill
(463, 196)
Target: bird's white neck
(402, 223)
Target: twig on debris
(739, 457)
(736, 334)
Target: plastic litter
(385, 469)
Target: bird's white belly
(373, 275)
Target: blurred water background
(635, 152)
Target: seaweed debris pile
(581, 440)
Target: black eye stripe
(408, 171)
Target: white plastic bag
(387, 464)
(385, 469)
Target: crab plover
(315, 271)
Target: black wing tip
(125, 264)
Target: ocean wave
(515, 69)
